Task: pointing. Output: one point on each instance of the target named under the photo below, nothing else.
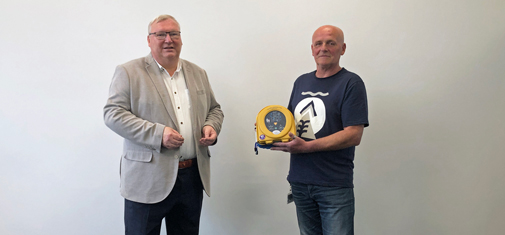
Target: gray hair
(161, 18)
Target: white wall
(430, 162)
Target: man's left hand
(296, 145)
(209, 136)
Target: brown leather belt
(187, 163)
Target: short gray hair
(161, 18)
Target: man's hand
(171, 138)
(296, 145)
(209, 136)
(350, 136)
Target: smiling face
(165, 50)
(327, 47)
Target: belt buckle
(185, 164)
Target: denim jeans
(324, 210)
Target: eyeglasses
(174, 35)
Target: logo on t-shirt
(310, 115)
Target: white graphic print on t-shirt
(310, 115)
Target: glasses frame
(167, 33)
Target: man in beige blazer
(165, 110)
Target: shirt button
(181, 122)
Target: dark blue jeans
(181, 209)
(324, 210)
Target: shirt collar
(176, 71)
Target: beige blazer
(138, 109)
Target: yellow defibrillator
(273, 124)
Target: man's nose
(168, 39)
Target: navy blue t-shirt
(321, 107)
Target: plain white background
(431, 161)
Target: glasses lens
(174, 35)
(161, 35)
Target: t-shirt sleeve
(355, 105)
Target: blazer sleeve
(118, 115)
(215, 115)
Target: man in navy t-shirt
(330, 110)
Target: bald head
(332, 30)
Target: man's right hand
(171, 138)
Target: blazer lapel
(157, 78)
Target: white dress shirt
(179, 95)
